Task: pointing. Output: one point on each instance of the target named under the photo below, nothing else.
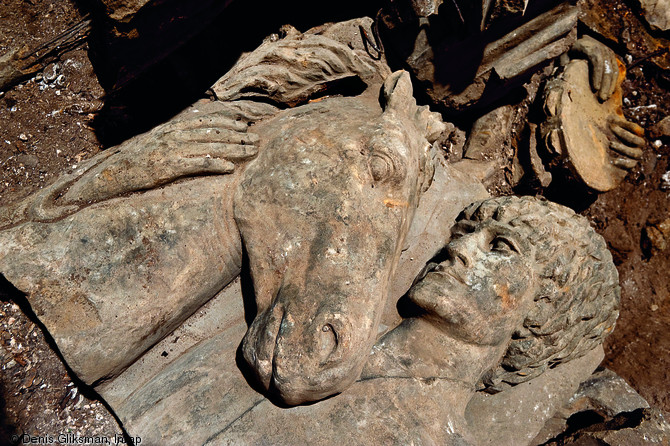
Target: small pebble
(665, 181)
(658, 143)
(654, 307)
(23, 137)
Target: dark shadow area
(9, 293)
(248, 293)
(580, 424)
(8, 431)
(171, 63)
(566, 190)
(455, 53)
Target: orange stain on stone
(391, 203)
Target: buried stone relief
(317, 267)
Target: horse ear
(397, 93)
(397, 96)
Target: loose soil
(46, 127)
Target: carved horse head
(323, 212)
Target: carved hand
(627, 147)
(206, 139)
(603, 64)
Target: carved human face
(482, 292)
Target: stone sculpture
(513, 263)
(501, 44)
(586, 136)
(124, 248)
(335, 204)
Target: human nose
(464, 249)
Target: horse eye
(381, 167)
(503, 245)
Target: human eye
(503, 245)
(462, 228)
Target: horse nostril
(327, 342)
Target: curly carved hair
(578, 297)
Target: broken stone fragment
(659, 235)
(661, 128)
(590, 138)
(604, 406)
(123, 10)
(657, 13)
(641, 426)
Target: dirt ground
(47, 127)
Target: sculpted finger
(623, 149)
(627, 136)
(231, 152)
(597, 67)
(626, 124)
(610, 75)
(202, 165)
(207, 120)
(218, 120)
(212, 135)
(624, 163)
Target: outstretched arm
(206, 139)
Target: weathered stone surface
(591, 138)
(606, 393)
(657, 13)
(84, 236)
(338, 211)
(201, 396)
(593, 409)
(299, 66)
(219, 327)
(93, 278)
(88, 255)
(517, 415)
(638, 427)
(338, 185)
(489, 134)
